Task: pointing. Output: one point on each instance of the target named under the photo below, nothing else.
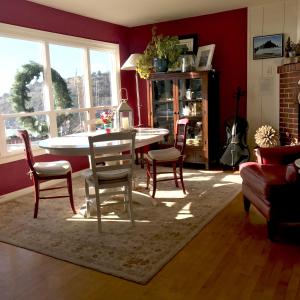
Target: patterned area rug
(163, 226)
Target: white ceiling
(141, 12)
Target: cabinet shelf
(165, 117)
(162, 101)
(197, 116)
(191, 100)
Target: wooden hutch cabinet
(174, 95)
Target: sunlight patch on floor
(185, 212)
(174, 194)
(232, 178)
(198, 178)
(168, 203)
(222, 184)
(104, 219)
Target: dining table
(77, 144)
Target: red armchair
(272, 185)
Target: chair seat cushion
(52, 168)
(107, 175)
(168, 154)
(266, 181)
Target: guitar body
(236, 148)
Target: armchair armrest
(278, 155)
(292, 173)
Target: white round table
(78, 144)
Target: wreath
(20, 99)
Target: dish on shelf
(193, 142)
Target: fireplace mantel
(288, 68)
(289, 106)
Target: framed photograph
(268, 46)
(188, 43)
(204, 57)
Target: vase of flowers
(105, 120)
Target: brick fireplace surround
(289, 106)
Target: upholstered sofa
(272, 185)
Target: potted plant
(161, 53)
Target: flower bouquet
(104, 119)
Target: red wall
(27, 14)
(14, 175)
(228, 30)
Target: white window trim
(46, 38)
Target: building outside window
(52, 84)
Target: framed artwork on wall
(188, 43)
(268, 46)
(204, 57)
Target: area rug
(136, 253)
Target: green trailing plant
(160, 46)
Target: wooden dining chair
(44, 171)
(168, 157)
(110, 171)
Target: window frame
(46, 38)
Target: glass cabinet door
(163, 106)
(190, 106)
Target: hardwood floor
(231, 258)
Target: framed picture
(188, 43)
(204, 57)
(268, 46)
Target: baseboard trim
(30, 189)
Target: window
(52, 84)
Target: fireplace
(289, 104)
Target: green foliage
(159, 47)
(20, 99)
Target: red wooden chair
(169, 156)
(43, 171)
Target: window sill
(19, 155)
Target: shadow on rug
(136, 253)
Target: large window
(52, 84)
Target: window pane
(67, 76)
(12, 125)
(68, 123)
(101, 72)
(21, 76)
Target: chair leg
(271, 230)
(154, 175)
(139, 157)
(70, 189)
(148, 174)
(126, 199)
(98, 209)
(247, 204)
(142, 159)
(175, 173)
(37, 196)
(181, 175)
(129, 198)
(87, 200)
(136, 156)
